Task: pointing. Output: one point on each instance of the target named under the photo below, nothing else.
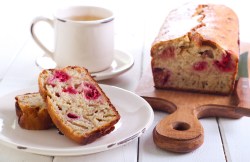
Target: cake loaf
(197, 49)
(32, 112)
(76, 103)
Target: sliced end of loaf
(204, 57)
(32, 112)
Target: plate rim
(80, 151)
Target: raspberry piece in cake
(90, 91)
(72, 116)
(77, 105)
(199, 45)
(163, 75)
(225, 64)
(58, 75)
(200, 66)
(70, 90)
(61, 75)
(168, 52)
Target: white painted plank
(211, 150)
(12, 155)
(24, 66)
(23, 73)
(129, 39)
(236, 133)
(126, 153)
(15, 79)
(11, 42)
(212, 142)
(8, 154)
(13, 37)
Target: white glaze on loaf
(197, 49)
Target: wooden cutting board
(181, 131)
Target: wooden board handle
(180, 131)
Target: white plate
(136, 116)
(122, 62)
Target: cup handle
(34, 36)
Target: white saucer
(136, 117)
(122, 63)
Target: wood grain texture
(181, 131)
(149, 152)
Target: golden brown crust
(60, 122)
(33, 116)
(87, 138)
(41, 84)
(221, 27)
(217, 24)
(197, 49)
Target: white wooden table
(137, 23)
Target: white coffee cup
(84, 36)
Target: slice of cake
(197, 49)
(32, 113)
(76, 103)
